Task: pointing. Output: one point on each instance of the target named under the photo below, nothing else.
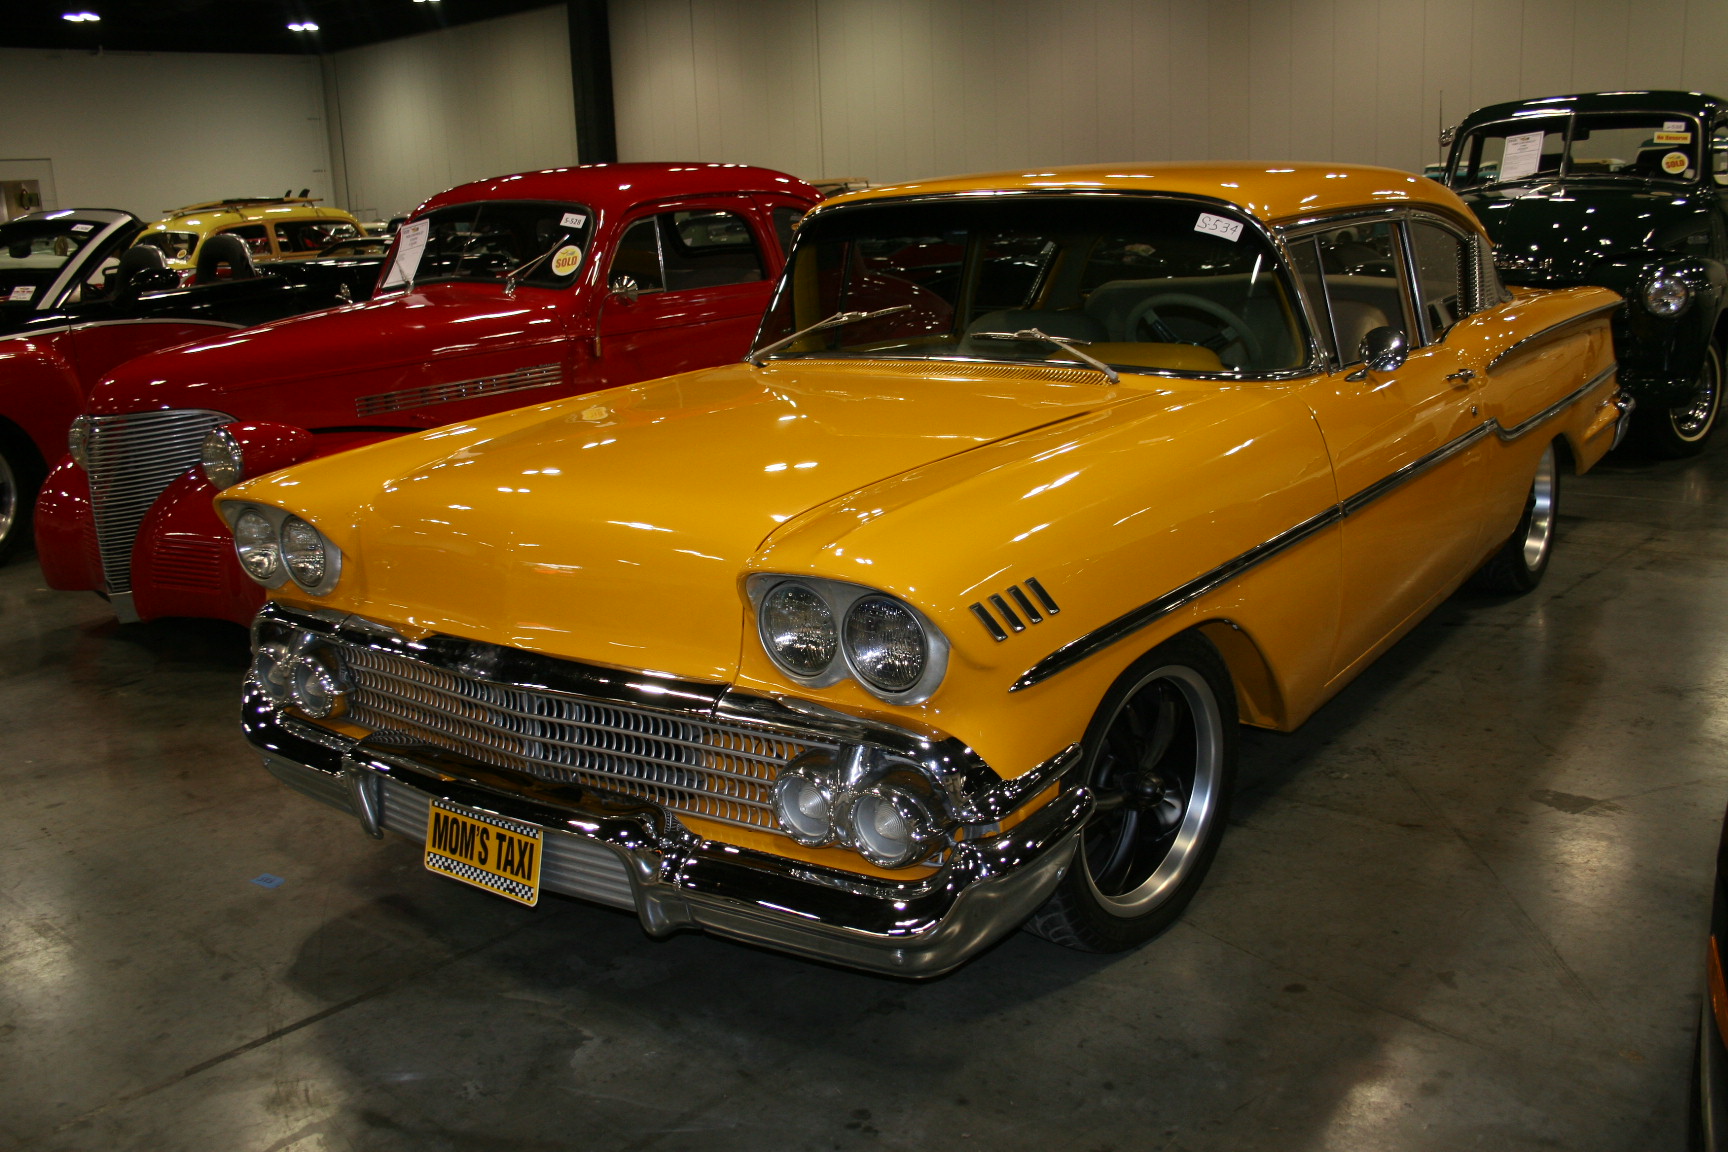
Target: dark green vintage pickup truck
(1624, 190)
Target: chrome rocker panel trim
(1131, 622)
(674, 879)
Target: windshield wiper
(528, 266)
(1067, 345)
(834, 321)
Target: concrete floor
(1462, 908)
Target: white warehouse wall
(414, 116)
(148, 131)
(898, 89)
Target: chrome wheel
(1539, 513)
(9, 501)
(1156, 778)
(1693, 421)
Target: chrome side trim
(1524, 428)
(521, 380)
(59, 328)
(1128, 623)
(1551, 332)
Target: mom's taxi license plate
(489, 852)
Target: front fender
(66, 531)
(1660, 357)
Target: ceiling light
(303, 26)
(80, 17)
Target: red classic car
(75, 300)
(494, 294)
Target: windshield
(1643, 145)
(1139, 283)
(32, 253)
(485, 241)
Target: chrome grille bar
(539, 376)
(721, 771)
(131, 460)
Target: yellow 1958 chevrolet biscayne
(935, 616)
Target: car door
(688, 284)
(1405, 442)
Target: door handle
(1462, 377)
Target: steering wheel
(1235, 330)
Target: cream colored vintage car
(937, 616)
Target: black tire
(20, 477)
(1518, 564)
(1161, 758)
(1684, 430)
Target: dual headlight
(889, 823)
(819, 632)
(275, 546)
(299, 673)
(1666, 294)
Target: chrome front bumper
(635, 856)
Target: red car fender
(66, 531)
(183, 561)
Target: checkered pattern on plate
(720, 771)
(539, 376)
(133, 457)
(479, 876)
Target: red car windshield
(486, 241)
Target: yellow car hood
(616, 527)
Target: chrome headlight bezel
(221, 458)
(78, 442)
(278, 519)
(1665, 295)
(840, 597)
(918, 821)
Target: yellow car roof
(202, 218)
(1268, 191)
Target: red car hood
(333, 356)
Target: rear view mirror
(1382, 349)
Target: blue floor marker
(267, 881)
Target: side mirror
(1383, 349)
(624, 286)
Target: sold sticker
(566, 260)
(1218, 226)
(1675, 163)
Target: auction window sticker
(1219, 226)
(1523, 155)
(1675, 163)
(20, 293)
(410, 246)
(1666, 137)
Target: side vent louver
(1019, 613)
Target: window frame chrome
(1314, 364)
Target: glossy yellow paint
(201, 221)
(1271, 192)
(621, 527)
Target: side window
(638, 257)
(1360, 267)
(312, 235)
(1305, 259)
(1442, 265)
(257, 239)
(1719, 152)
(708, 249)
(786, 225)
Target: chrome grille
(539, 376)
(132, 458)
(719, 771)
